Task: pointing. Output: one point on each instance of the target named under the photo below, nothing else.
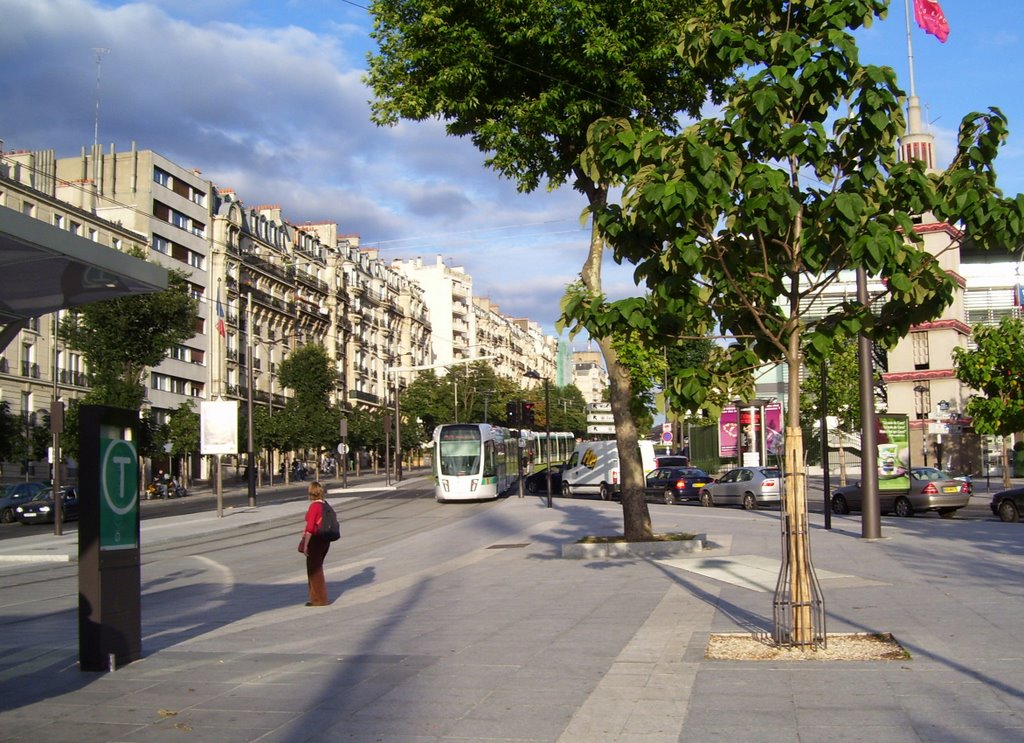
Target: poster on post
(218, 427)
(893, 452)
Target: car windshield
(771, 472)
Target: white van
(593, 468)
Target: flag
(930, 17)
(220, 317)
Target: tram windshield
(459, 451)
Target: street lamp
(532, 374)
(250, 448)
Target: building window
(58, 221)
(162, 177)
(195, 260)
(28, 208)
(919, 342)
(161, 245)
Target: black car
(538, 481)
(18, 493)
(40, 510)
(1008, 504)
(674, 484)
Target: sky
(266, 97)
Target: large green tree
(744, 219)
(994, 368)
(121, 338)
(308, 421)
(524, 80)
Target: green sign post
(119, 495)
(109, 558)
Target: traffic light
(528, 414)
(512, 414)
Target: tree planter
(624, 549)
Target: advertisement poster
(734, 423)
(218, 427)
(893, 452)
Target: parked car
(20, 492)
(671, 460)
(1008, 504)
(40, 509)
(930, 490)
(538, 482)
(744, 486)
(675, 484)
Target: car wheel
(947, 513)
(7, 516)
(749, 502)
(706, 500)
(605, 492)
(670, 497)
(839, 504)
(1008, 511)
(902, 507)
(566, 490)
(531, 486)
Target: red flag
(930, 17)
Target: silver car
(930, 490)
(749, 487)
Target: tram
(554, 447)
(473, 461)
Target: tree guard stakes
(109, 574)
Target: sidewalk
(479, 631)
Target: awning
(44, 269)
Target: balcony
(75, 378)
(363, 397)
(29, 370)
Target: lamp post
(532, 374)
(250, 469)
(919, 408)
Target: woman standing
(315, 547)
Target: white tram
(473, 461)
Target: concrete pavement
(479, 631)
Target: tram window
(490, 466)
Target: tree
(120, 338)
(843, 397)
(183, 433)
(993, 368)
(524, 82)
(308, 421)
(742, 220)
(11, 431)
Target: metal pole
(249, 363)
(826, 484)
(398, 435)
(547, 432)
(56, 427)
(871, 521)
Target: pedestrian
(315, 547)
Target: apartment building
(35, 367)
(589, 375)
(171, 207)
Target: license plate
(699, 484)
(30, 515)
(951, 489)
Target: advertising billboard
(893, 452)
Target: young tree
(120, 338)
(308, 421)
(743, 220)
(183, 434)
(993, 368)
(524, 82)
(843, 397)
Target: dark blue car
(674, 484)
(13, 495)
(40, 509)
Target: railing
(29, 370)
(76, 378)
(363, 396)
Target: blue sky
(266, 97)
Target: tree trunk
(635, 515)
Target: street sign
(600, 418)
(601, 428)
(666, 436)
(599, 407)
